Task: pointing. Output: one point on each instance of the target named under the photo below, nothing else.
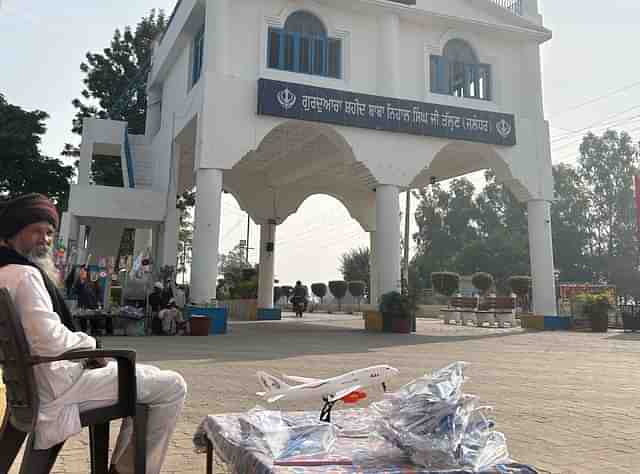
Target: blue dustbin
(218, 317)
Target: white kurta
(65, 388)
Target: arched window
(304, 46)
(458, 72)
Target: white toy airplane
(346, 387)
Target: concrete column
(387, 238)
(267, 265)
(169, 248)
(541, 252)
(154, 112)
(388, 54)
(81, 255)
(373, 269)
(206, 235)
(143, 242)
(216, 38)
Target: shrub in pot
(596, 307)
(445, 283)
(520, 285)
(397, 311)
(320, 290)
(482, 281)
(338, 289)
(356, 289)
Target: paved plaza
(567, 402)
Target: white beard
(43, 257)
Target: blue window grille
(314, 54)
(198, 54)
(460, 79)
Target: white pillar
(169, 248)
(388, 54)
(387, 238)
(143, 242)
(216, 37)
(373, 269)
(267, 265)
(154, 112)
(81, 255)
(541, 252)
(206, 235)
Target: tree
(354, 265)
(338, 289)
(24, 168)
(185, 204)
(570, 226)
(607, 165)
(115, 86)
(232, 264)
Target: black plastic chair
(23, 403)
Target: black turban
(18, 213)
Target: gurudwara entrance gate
(276, 100)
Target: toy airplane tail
(271, 384)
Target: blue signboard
(317, 104)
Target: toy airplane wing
(295, 378)
(343, 393)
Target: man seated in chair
(65, 388)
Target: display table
(220, 435)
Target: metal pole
(407, 223)
(248, 227)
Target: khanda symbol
(286, 99)
(504, 128)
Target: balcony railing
(514, 6)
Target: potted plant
(445, 283)
(338, 289)
(320, 290)
(596, 307)
(356, 289)
(482, 281)
(520, 285)
(397, 311)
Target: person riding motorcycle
(299, 298)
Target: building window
(198, 54)
(457, 72)
(304, 46)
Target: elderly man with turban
(65, 388)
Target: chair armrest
(126, 359)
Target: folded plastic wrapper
(438, 427)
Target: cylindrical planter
(599, 322)
(401, 325)
(200, 325)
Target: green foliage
(246, 289)
(395, 305)
(446, 283)
(338, 289)
(593, 222)
(354, 265)
(115, 80)
(24, 168)
(596, 306)
(233, 263)
(356, 288)
(482, 281)
(319, 289)
(520, 285)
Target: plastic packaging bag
(278, 436)
(439, 427)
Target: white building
(276, 100)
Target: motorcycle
(299, 305)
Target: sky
(591, 81)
